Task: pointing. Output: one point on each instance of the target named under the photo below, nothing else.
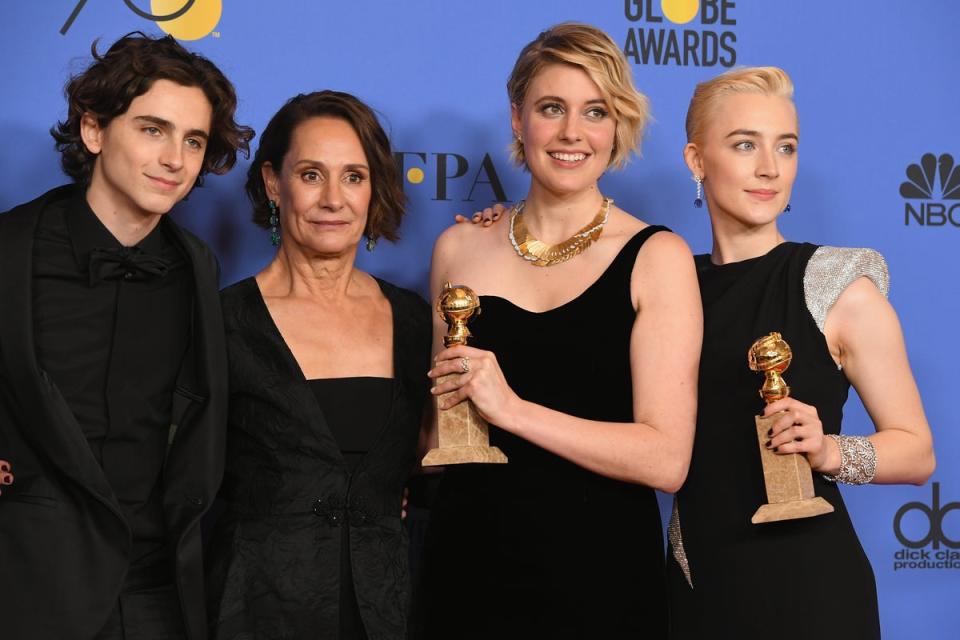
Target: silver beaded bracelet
(858, 460)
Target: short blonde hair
(593, 51)
(768, 81)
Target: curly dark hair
(387, 201)
(127, 70)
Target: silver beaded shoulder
(831, 270)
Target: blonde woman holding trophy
(793, 578)
(584, 363)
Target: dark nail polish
(776, 449)
(769, 432)
(8, 480)
(4, 467)
(767, 445)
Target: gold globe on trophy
(788, 480)
(464, 436)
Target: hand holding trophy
(788, 480)
(464, 435)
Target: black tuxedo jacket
(64, 544)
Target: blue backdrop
(876, 91)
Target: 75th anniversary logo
(183, 19)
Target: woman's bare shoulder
(470, 237)
(662, 245)
(466, 251)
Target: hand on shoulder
(465, 242)
(485, 217)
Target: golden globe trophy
(788, 480)
(464, 435)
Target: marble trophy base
(464, 436)
(789, 483)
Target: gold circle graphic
(196, 23)
(680, 11)
(415, 175)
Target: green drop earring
(274, 221)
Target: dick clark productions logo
(926, 539)
(926, 205)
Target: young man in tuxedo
(112, 361)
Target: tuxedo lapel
(194, 464)
(46, 420)
(200, 396)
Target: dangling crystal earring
(371, 244)
(698, 201)
(274, 221)
(786, 208)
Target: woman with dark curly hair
(327, 387)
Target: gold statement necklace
(541, 254)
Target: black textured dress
(313, 498)
(355, 409)
(796, 579)
(540, 547)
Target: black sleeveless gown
(540, 547)
(796, 579)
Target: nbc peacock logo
(927, 205)
(183, 19)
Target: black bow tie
(128, 263)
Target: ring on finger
(465, 364)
